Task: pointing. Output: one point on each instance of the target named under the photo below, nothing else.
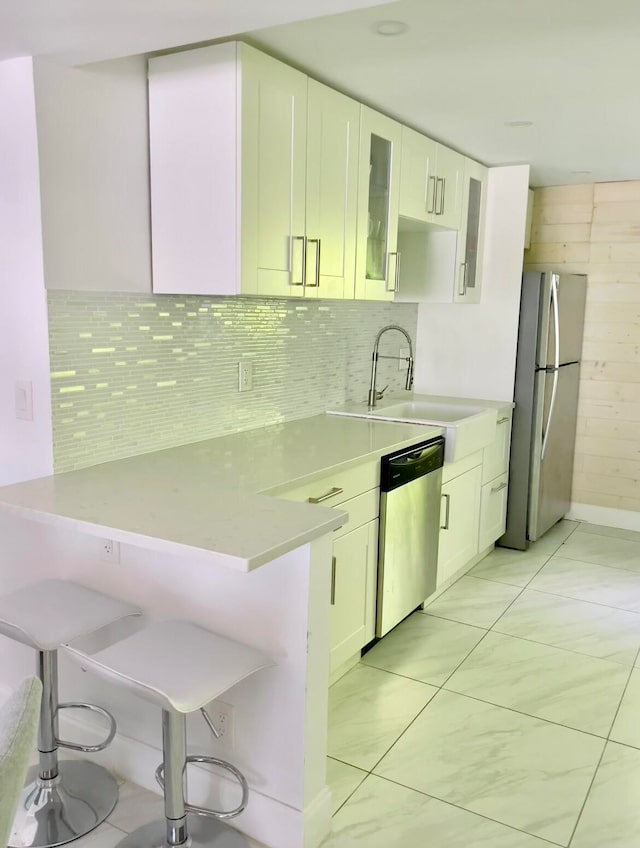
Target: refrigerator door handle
(556, 363)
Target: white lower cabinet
(353, 586)
(459, 522)
(493, 511)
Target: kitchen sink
(469, 428)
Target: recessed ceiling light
(582, 172)
(390, 27)
(518, 123)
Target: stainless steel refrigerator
(546, 397)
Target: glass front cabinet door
(377, 257)
(470, 238)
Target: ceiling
(465, 67)
(80, 31)
(460, 72)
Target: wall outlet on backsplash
(245, 376)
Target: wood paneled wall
(595, 230)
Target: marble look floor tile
(614, 532)
(136, 806)
(627, 724)
(384, 815)
(571, 689)
(586, 628)
(104, 836)
(473, 601)
(516, 568)
(518, 770)
(342, 781)
(425, 648)
(611, 817)
(603, 550)
(586, 581)
(555, 536)
(368, 710)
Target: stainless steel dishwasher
(410, 484)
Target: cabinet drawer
(361, 509)
(495, 457)
(493, 511)
(336, 488)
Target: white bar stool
(61, 800)
(180, 667)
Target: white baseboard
(271, 822)
(623, 519)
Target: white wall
(94, 167)
(469, 350)
(25, 446)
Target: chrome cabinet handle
(303, 276)
(503, 420)
(330, 494)
(439, 207)
(447, 506)
(436, 204)
(396, 278)
(317, 242)
(432, 208)
(462, 290)
(444, 183)
(499, 488)
(333, 581)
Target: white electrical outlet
(110, 551)
(221, 715)
(245, 376)
(404, 354)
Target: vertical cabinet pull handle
(462, 289)
(499, 488)
(444, 183)
(447, 507)
(432, 208)
(503, 420)
(333, 581)
(317, 242)
(396, 276)
(303, 276)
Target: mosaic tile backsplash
(132, 374)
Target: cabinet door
(273, 185)
(493, 511)
(460, 519)
(471, 237)
(353, 592)
(332, 192)
(417, 176)
(377, 266)
(448, 188)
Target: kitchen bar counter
(207, 499)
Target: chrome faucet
(374, 394)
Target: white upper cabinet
(471, 237)
(431, 181)
(333, 129)
(253, 177)
(377, 261)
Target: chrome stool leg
(202, 829)
(65, 800)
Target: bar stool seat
(180, 668)
(61, 801)
(50, 613)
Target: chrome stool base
(53, 812)
(203, 833)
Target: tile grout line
(586, 797)
(622, 698)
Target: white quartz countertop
(207, 499)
